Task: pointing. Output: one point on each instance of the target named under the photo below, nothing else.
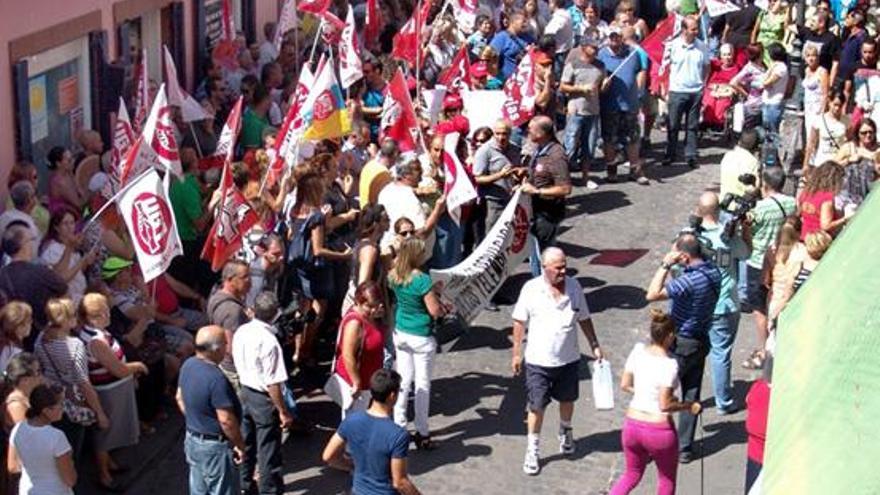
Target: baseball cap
(612, 30)
(113, 265)
(542, 58)
(452, 101)
(479, 69)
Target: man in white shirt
(24, 200)
(562, 29)
(260, 365)
(400, 201)
(553, 307)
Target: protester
(399, 200)
(816, 201)
(717, 99)
(757, 413)
(39, 451)
(63, 191)
(376, 445)
(212, 411)
(581, 81)
(60, 251)
(22, 194)
(651, 375)
(226, 309)
(859, 159)
(361, 345)
(259, 362)
(511, 43)
(693, 295)
(688, 66)
(786, 256)
(816, 244)
(552, 308)
(418, 305)
(113, 379)
(748, 83)
(23, 374)
(816, 87)
(16, 323)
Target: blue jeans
(771, 117)
(211, 469)
(722, 334)
(685, 105)
(581, 138)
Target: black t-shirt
(205, 389)
(827, 43)
(741, 24)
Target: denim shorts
(756, 292)
(559, 383)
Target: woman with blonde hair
(113, 379)
(816, 245)
(64, 361)
(16, 322)
(784, 260)
(418, 305)
(651, 376)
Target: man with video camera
(762, 225)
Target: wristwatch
(666, 266)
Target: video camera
(293, 320)
(739, 205)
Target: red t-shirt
(167, 301)
(372, 349)
(811, 211)
(757, 406)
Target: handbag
(336, 387)
(74, 401)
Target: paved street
(615, 237)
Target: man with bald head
(548, 183)
(727, 251)
(553, 308)
(213, 443)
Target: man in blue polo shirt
(619, 109)
(688, 69)
(511, 44)
(694, 293)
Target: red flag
(655, 46)
(519, 91)
(291, 128)
(227, 25)
(399, 120)
(457, 77)
(316, 7)
(373, 24)
(234, 218)
(333, 27)
(407, 42)
(226, 142)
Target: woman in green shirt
(417, 307)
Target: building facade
(64, 64)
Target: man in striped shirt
(693, 293)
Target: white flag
(190, 109)
(123, 139)
(350, 66)
(151, 225)
(458, 187)
(286, 21)
(160, 141)
(717, 8)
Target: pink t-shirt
(811, 211)
(757, 406)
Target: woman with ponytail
(651, 375)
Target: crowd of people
(340, 256)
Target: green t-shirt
(252, 127)
(412, 315)
(186, 200)
(767, 218)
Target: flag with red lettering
(457, 77)
(286, 21)
(233, 219)
(226, 142)
(407, 42)
(465, 12)
(372, 24)
(520, 92)
(332, 28)
(291, 129)
(399, 120)
(350, 67)
(190, 109)
(151, 225)
(123, 139)
(156, 147)
(141, 94)
(316, 7)
(457, 185)
(655, 46)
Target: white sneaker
(531, 464)
(566, 441)
(592, 186)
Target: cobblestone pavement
(615, 237)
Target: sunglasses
(866, 133)
(406, 233)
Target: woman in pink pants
(651, 375)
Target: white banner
(471, 284)
(457, 184)
(151, 225)
(483, 107)
(717, 8)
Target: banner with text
(470, 285)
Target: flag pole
(315, 42)
(196, 138)
(113, 199)
(418, 47)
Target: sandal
(755, 361)
(423, 442)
